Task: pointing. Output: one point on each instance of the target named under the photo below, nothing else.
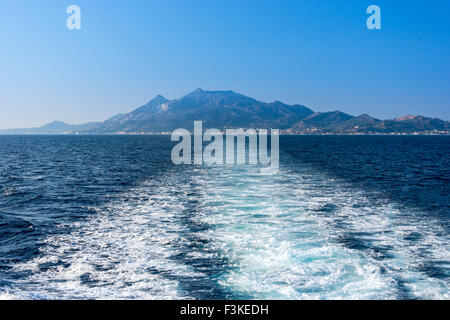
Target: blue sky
(316, 53)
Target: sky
(316, 53)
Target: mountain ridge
(228, 109)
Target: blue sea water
(346, 217)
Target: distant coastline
(281, 134)
(228, 109)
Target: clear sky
(316, 53)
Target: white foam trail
(122, 252)
(6, 295)
(280, 247)
(293, 235)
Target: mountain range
(227, 109)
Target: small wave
(6, 295)
(9, 191)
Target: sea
(111, 217)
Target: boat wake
(233, 232)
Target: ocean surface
(110, 217)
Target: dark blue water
(111, 217)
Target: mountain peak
(223, 97)
(407, 117)
(57, 125)
(198, 90)
(150, 106)
(158, 100)
(365, 116)
(277, 102)
(207, 92)
(56, 122)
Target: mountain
(322, 121)
(357, 124)
(406, 124)
(55, 127)
(340, 123)
(228, 109)
(217, 109)
(419, 123)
